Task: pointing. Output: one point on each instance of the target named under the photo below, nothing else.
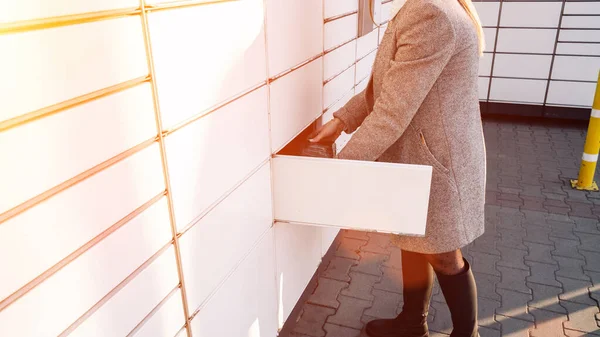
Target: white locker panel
(488, 12)
(82, 58)
(246, 304)
(37, 239)
(484, 85)
(524, 91)
(364, 67)
(339, 59)
(182, 333)
(336, 88)
(156, 2)
(588, 7)
(232, 228)
(327, 237)
(195, 74)
(578, 49)
(580, 22)
(386, 12)
(366, 44)
(490, 38)
(167, 321)
(298, 250)
(22, 10)
(294, 32)
(210, 156)
(530, 14)
(362, 85)
(71, 142)
(328, 115)
(576, 68)
(526, 40)
(81, 284)
(575, 35)
(527, 66)
(128, 307)
(381, 197)
(340, 31)
(295, 102)
(571, 93)
(485, 64)
(339, 7)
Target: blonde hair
(470, 9)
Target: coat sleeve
(425, 43)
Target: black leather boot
(460, 292)
(417, 283)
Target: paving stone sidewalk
(537, 266)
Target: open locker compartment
(360, 195)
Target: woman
(421, 107)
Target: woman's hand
(330, 131)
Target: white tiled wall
(530, 14)
(328, 115)
(84, 58)
(335, 8)
(362, 85)
(578, 49)
(139, 150)
(485, 64)
(236, 223)
(580, 22)
(167, 321)
(490, 36)
(386, 9)
(340, 59)
(246, 303)
(571, 93)
(483, 83)
(366, 44)
(294, 32)
(66, 144)
(544, 51)
(83, 283)
(364, 67)
(576, 68)
(338, 87)
(205, 161)
(139, 161)
(588, 7)
(36, 9)
(34, 241)
(298, 250)
(340, 31)
(516, 40)
(528, 66)
(196, 70)
(488, 13)
(295, 102)
(136, 300)
(527, 91)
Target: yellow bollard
(585, 180)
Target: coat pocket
(432, 159)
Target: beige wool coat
(421, 106)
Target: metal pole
(585, 180)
